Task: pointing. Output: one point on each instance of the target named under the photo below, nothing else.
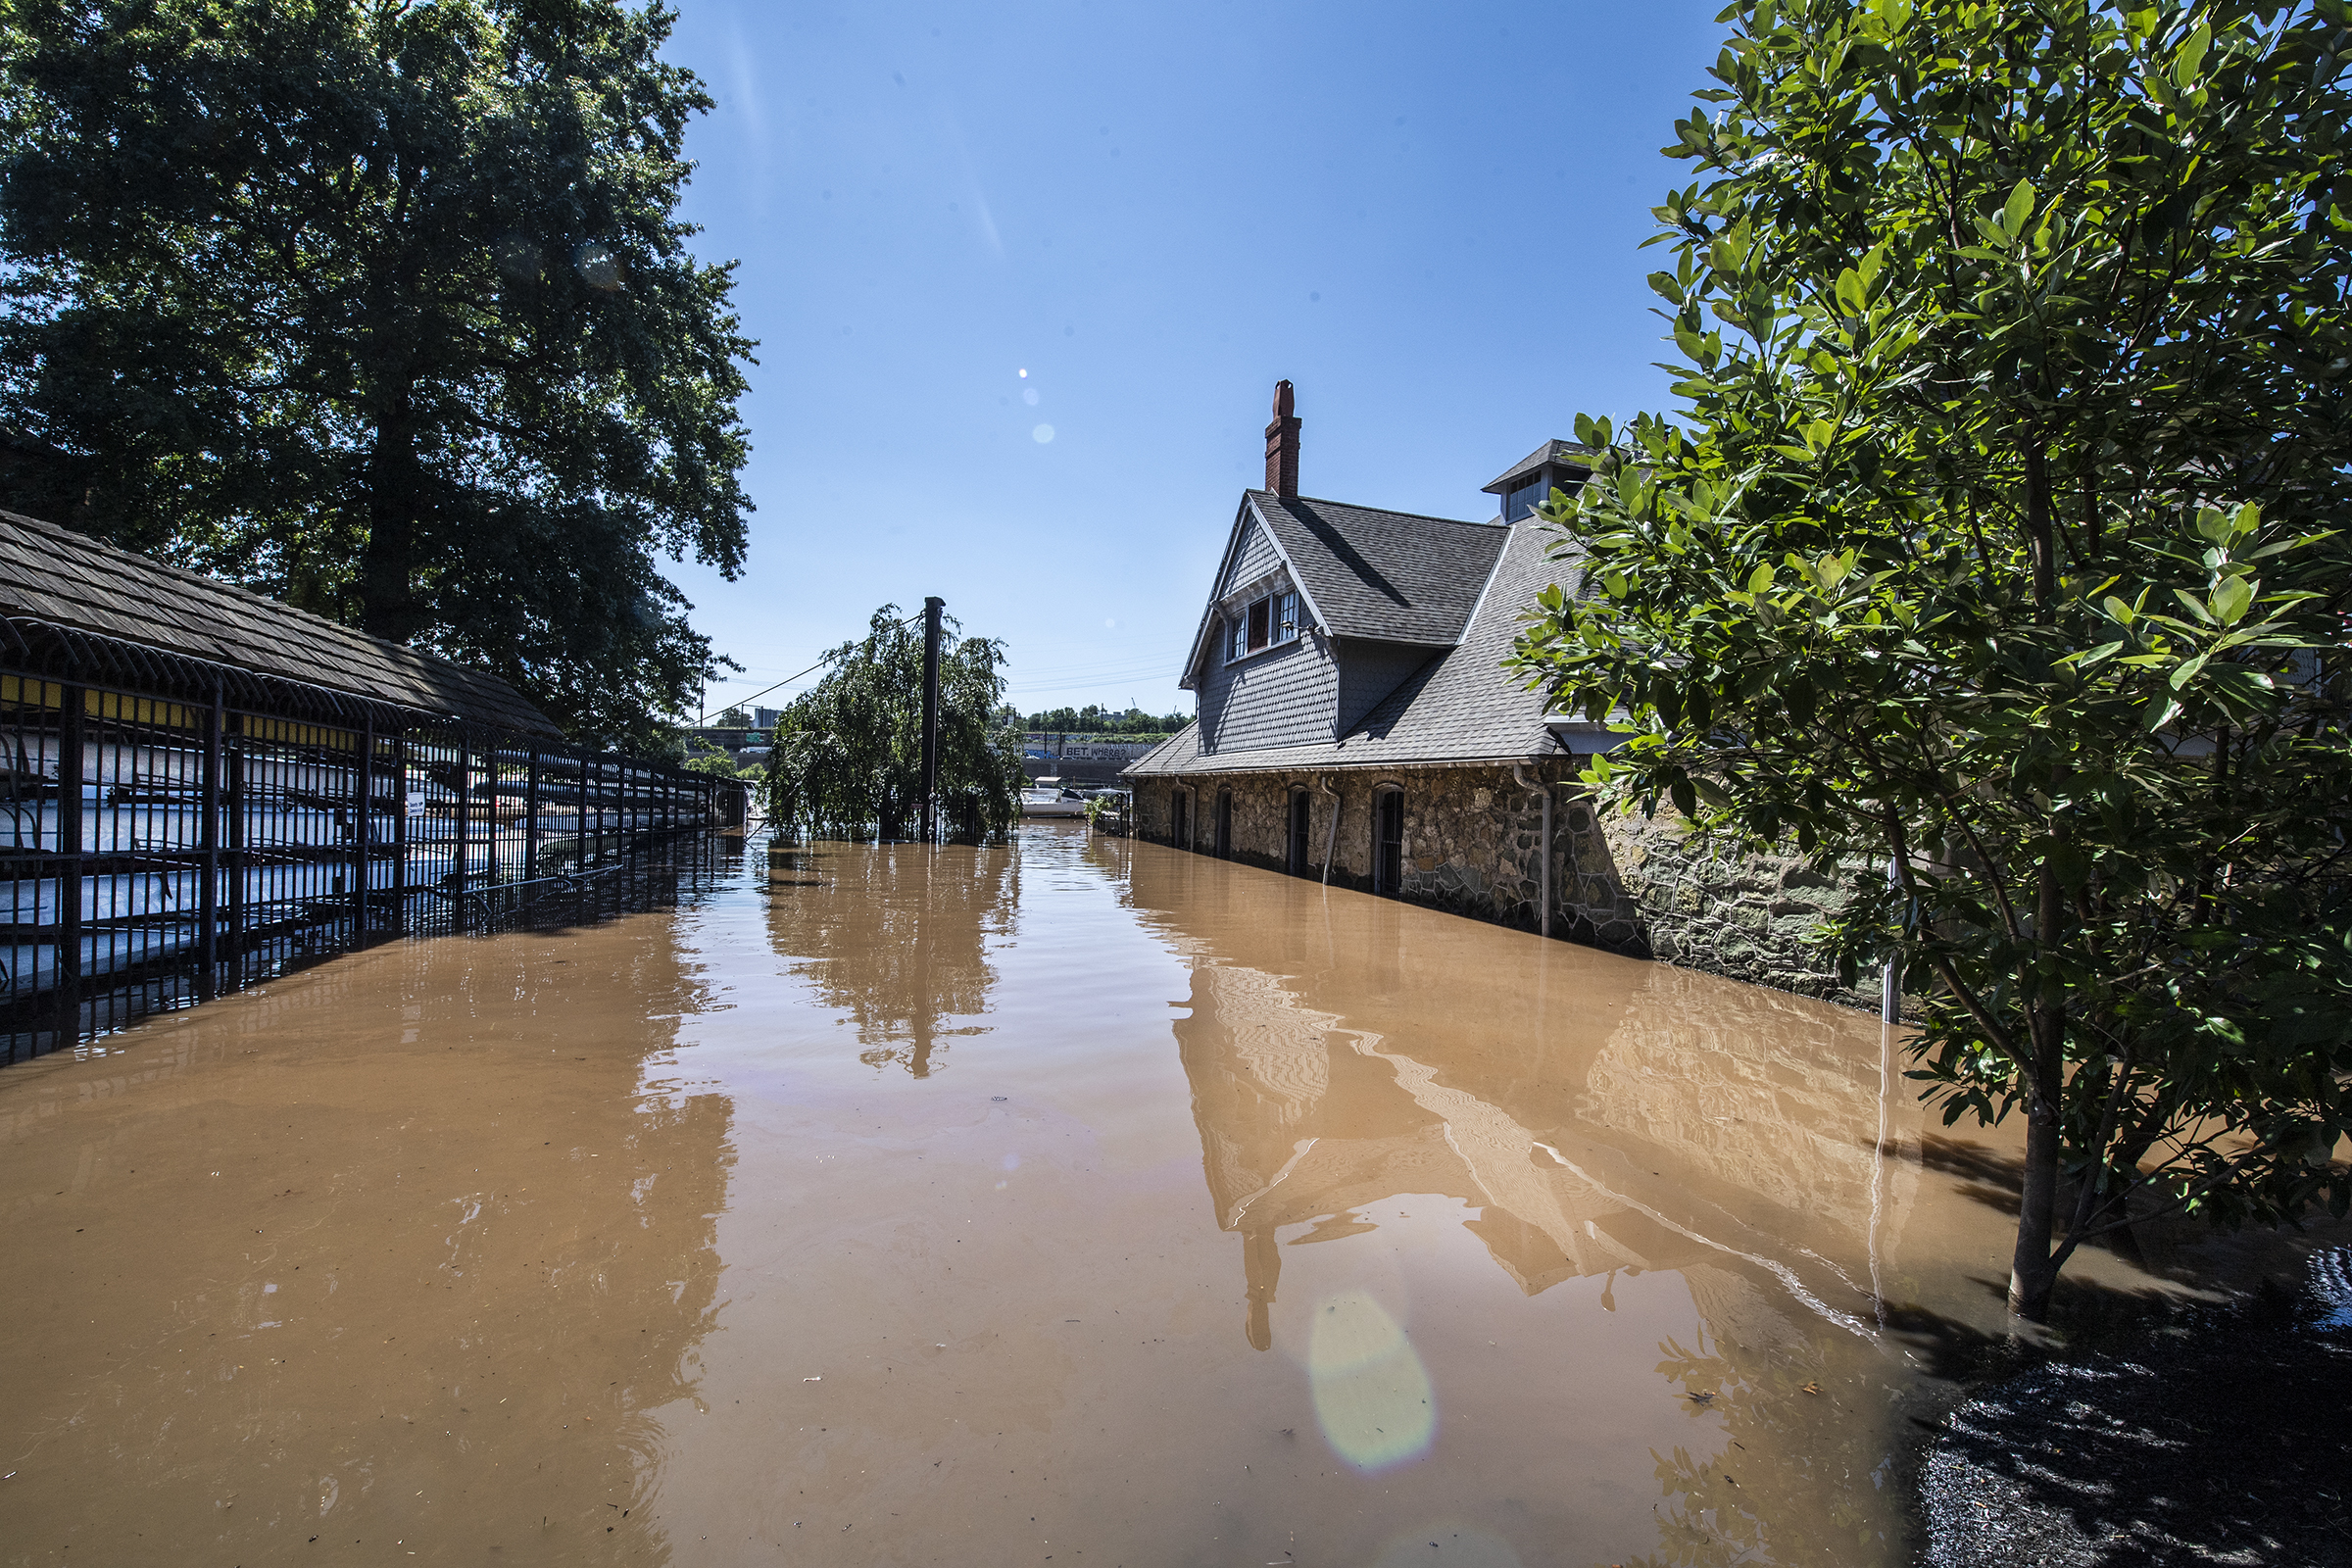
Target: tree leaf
(2015, 211)
(2228, 602)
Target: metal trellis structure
(178, 828)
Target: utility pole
(931, 609)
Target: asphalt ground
(2218, 1439)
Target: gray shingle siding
(1369, 671)
(1253, 559)
(1282, 697)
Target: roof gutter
(1377, 764)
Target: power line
(764, 691)
(786, 681)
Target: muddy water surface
(1070, 1201)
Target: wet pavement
(1071, 1200)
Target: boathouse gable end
(1265, 672)
(1377, 595)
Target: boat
(1050, 797)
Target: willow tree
(847, 758)
(385, 309)
(1995, 544)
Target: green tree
(1996, 547)
(713, 763)
(847, 756)
(382, 308)
(1095, 719)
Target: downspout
(1331, 836)
(1544, 841)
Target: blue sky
(1425, 217)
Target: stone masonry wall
(1629, 885)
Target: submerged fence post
(931, 609)
(400, 832)
(464, 819)
(233, 804)
(208, 844)
(69, 864)
(362, 840)
(530, 818)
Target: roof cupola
(1528, 483)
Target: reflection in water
(1544, 1258)
(1599, 1120)
(395, 1249)
(895, 935)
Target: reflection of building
(905, 955)
(1590, 1108)
(1603, 1117)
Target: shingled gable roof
(1384, 576)
(1461, 707)
(56, 575)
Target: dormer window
(1264, 623)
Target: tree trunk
(388, 570)
(2031, 1271)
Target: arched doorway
(1302, 853)
(1224, 824)
(1180, 819)
(1388, 842)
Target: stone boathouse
(1356, 725)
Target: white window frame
(1284, 608)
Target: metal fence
(178, 829)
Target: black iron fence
(176, 830)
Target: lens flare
(1042, 434)
(1372, 1395)
(598, 265)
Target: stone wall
(1471, 846)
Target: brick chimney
(1282, 444)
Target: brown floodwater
(1070, 1201)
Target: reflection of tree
(895, 935)
(1797, 1423)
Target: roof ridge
(1386, 511)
